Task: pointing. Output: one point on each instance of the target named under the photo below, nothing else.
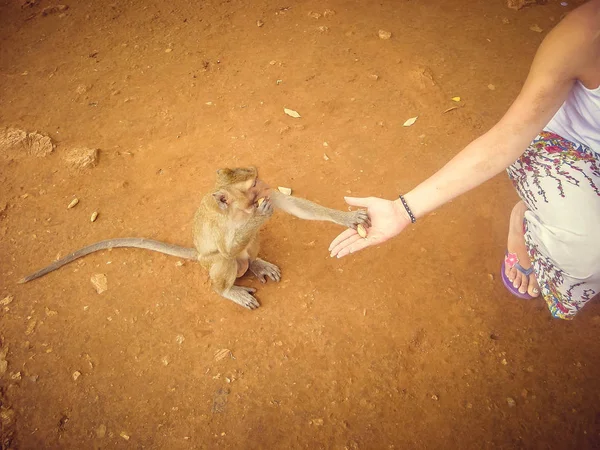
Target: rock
(3, 361)
(73, 203)
(94, 216)
(374, 77)
(519, 4)
(7, 300)
(15, 143)
(124, 435)
(7, 416)
(76, 375)
(48, 10)
(491, 87)
(385, 35)
(314, 15)
(323, 29)
(168, 50)
(31, 327)
(101, 431)
(511, 402)
(80, 158)
(100, 282)
(435, 397)
(81, 89)
(259, 23)
(316, 422)
(328, 13)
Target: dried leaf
(284, 190)
(410, 121)
(222, 354)
(7, 300)
(291, 113)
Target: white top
(578, 119)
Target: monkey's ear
(222, 199)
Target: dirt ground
(412, 345)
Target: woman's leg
(516, 245)
(559, 183)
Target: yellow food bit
(361, 231)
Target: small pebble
(259, 23)
(73, 203)
(76, 375)
(491, 87)
(168, 50)
(94, 216)
(385, 35)
(124, 435)
(511, 402)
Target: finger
(342, 245)
(355, 247)
(336, 248)
(342, 237)
(357, 201)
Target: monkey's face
(240, 188)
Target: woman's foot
(516, 245)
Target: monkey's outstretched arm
(307, 210)
(148, 244)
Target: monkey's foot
(356, 218)
(242, 296)
(262, 269)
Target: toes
(516, 277)
(524, 284)
(534, 287)
(250, 290)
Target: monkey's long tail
(148, 244)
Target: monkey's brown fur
(225, 231)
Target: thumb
(357, 201)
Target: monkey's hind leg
(262, 269)
(223, 273)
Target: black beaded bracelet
(410, 214)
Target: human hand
(388, 219)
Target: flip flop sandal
(511, 261)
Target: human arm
(557, 64)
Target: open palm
(388, 219)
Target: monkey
(225, 233)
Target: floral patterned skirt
(559, 181)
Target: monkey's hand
(265, 209)
(353, 219)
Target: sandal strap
(516, 264)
